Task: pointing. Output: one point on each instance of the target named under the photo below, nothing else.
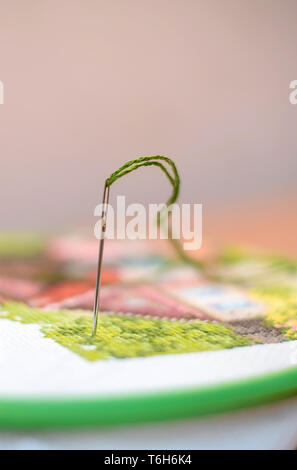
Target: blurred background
(90, 84)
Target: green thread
(174, 180)
(148, 161)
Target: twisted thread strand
(148, 161)
(174, 180)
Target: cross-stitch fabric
(163, 324)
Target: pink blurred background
(90, 84)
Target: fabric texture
(150, 304)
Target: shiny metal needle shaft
(100, 258)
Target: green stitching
(122, 336)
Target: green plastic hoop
(67, 412)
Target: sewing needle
(100, 258)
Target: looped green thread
(148, 161)
(174, 181)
